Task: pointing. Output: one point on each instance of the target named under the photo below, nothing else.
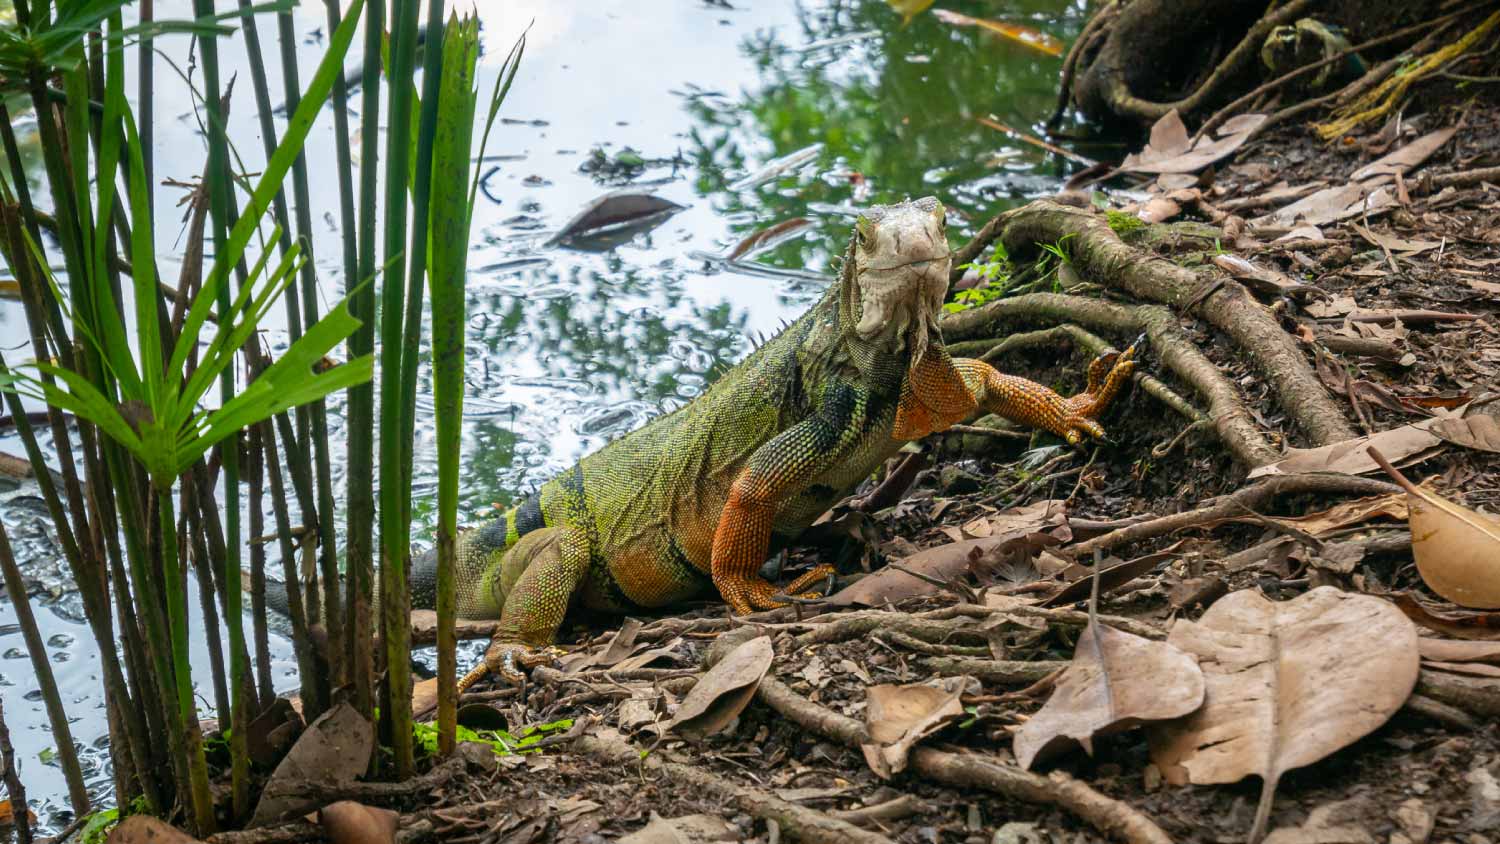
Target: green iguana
(697, 497)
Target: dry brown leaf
(1287, 685)
(1111, 578)
(333, 750)
(1037, 524)
(1457, 650)
(620, 646)
(1330, 205)
(1351, 457)
(900, 716)
(424, 698)
(1116, 681)
(8, 815)
(724, 691)
(348, 822)
(1396, 244)
(646, 657)
(688, 829)
(1385, 168)
(1460, 624)
(1358, 511)
(1171, 151)
(1263, 279)
(144, 829)
(1479, 431)
(1457, 549)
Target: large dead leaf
(1287, 685)
(724, 691)
(144, 829)
(348, 822)
(1023, 528)
(1358, 511)
(1351, 457)
(1116, 681)
(1385, 168)
(1457, 549)
(334, 750)
(898, 717)
(1331, 205)
(1479, 431)
(688, 829)
(1171, 151)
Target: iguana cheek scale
(699, 496)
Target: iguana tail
(480, 552)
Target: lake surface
(568, 348)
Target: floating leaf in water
(767, 237)
(617, 213)
(1457, 549)
(908, 9)
(1287, 684)
(1033, 38)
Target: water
(567, 348)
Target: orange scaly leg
(1032, 404)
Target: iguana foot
(1107, 375)
(510, 660)
(748, 594)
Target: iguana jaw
(897, 275)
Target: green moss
(1121, 222)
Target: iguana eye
(862, 229)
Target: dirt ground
(1429, 773)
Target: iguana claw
(509, 660)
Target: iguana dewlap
(697, 498)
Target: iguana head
(896, 275)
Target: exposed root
(858, 624)
(965, 770)
(1253, 497)
(1099, 255)
(994, 670)
(1093, 29)
(798, 822)
(1232, 422)
(891, 810)
(1053, 615)
(1475, 695)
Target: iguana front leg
(551, 563)
(1029, 403)
(776, 471)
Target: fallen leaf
(1287, 684)
(621, 646)
(1358, 511)
(1457, 650)
(1035, 39)
(1263, 279)
(8, 815)
(1116, 681)
(1111, 578)
(1035, 525)
(1479, 431)
(424, 698)
(717, 699)
(335, 749)
(1468, 625)
(687, 829)
(767, 237)
(900, 716)
(1457, 549)
(1330, 205)
(1351, 457)
(272, 732)
(1385, 168)
(646, 657)
(1158, 209)
(348, 822)
(616, 212)
(144, 829)
(1330, 823)
(1396, 244)
(1170, 151)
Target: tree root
(1108, 85)
(1099, 255)
(1053, 615)
(798, 822)
(891, 810)
(1475, 695)
(964, 770)
(994, 670)
(855, 625)
(1253, 497)
(1231, 420)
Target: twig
(802, 822)
(1254, 497)
(891, 810)
(993, 670)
